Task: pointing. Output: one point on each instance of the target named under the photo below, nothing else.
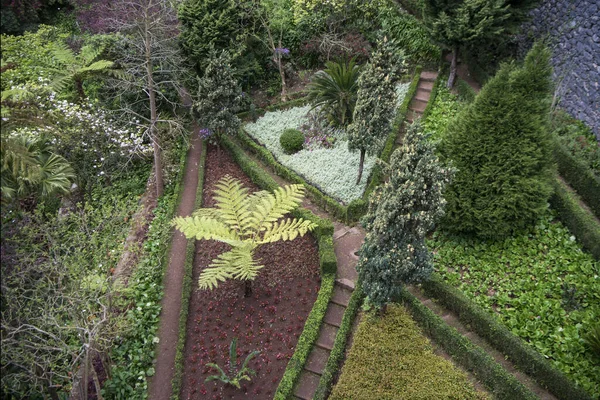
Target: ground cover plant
(269, 321)
(324, 166)
(445, 107)
(578, 139)
(391, 359)
(541, 285)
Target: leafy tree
(76, 68)
(30, 167)
(244, 221)
(401, 212)
(375, 106)
(453, 23)
(219, 97)
(502, 148)
(335, 90)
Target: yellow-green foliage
(244, 221)
(391, 359)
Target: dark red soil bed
(270, 321)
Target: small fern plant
(234, 377)
(244, 221)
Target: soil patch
(270, 321)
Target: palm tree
(75, 68)
(244, 221)
(29, 166)
(335, 90)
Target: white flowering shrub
(332, 169)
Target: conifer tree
(454, 23)
(401, 212)
(375, 105)
(502, 149)
(219, 97)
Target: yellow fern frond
(206, 228)
(234, 264)
(269, 209)
(232, 202)
(288, 229)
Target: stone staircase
(420, 100)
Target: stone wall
(572, 30)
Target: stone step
(345, 283)
(425, 85)
(341, 296)
(334, 314)
(422, 95)
(429, 76)
(327, 336)
(307, 385)
(411, 116)
(317, 359)
(418, 105)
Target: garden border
(501, 384)
(327, 262)
(259, 112)
(579, 221)
(579, 176)
(339, 346)
(502, 339)
(187, 285)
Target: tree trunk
(153, 116)
(248, 288)
(361, 165)
(79, 87)
(452, 75)
(96, 382)
(282, 74)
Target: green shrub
(503, 152)
(391, 359)
(292, 141)
(592, 338)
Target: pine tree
(219, 97)
(401, 212)
(454, 23)
(374, 110)
(501, 147)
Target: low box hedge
(519, 353)
(259, 112)
(580, 222)
(339, 346)
(501, 384)
(579, 176)
(328, 264)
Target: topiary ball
(292, 141)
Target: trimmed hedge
(579, 176)
(339, 346)
(186, 290)
(328, 264)
(519, 353)
(501, 384)
(259, 112)
(579, 221)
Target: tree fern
(244, 221)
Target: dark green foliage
(219, 97)
(499, 336)
(233, 376)
(292, 141)
(502, 149)
(401, 212)
(592, 338)
(335, 90)
(500, 383)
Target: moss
(391, 359)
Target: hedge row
(259, 112)
(390, 144)
(580, 222)
(328, 264)
(579, 176)
(500, 383)
(339, 346)
(519, 353)
(187, 288)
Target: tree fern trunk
(247, 288)
(453, 63)
(361, 165)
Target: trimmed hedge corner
(186, 290)
(518, 352)
(579, 221)
(339, 346)
(500, 383)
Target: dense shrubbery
(578, 139)
(393, 350)
(445, 107)
(292, 141)
(540, 285)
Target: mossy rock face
(292, 141)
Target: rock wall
(572, 30)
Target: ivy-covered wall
(572, 28)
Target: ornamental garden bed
(270, 321)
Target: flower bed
(540, 285)
(333, 170)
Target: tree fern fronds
(206, 228)
(288, 229)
